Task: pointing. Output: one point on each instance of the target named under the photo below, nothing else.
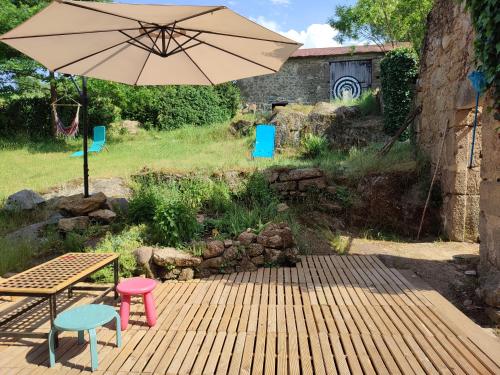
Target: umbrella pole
(85, 105)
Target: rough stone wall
(303, 80)
(448, 102)
(489, 220)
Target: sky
(305, 21)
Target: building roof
(348, 50)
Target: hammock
(72, 129)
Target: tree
(382, 21)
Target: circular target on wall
(346, 87)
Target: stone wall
(448, 101)
(301, 80)
(489, 219)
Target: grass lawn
(39, 166)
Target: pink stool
(136, 286)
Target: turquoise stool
(84, 318)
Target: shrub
(124, 244)
(399, 69)
(368, 104)
(143, 203)
(174, 222)
(314, 146)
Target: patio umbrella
(148, 45)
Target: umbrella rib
(169, 39)
(141, 44)
(235, 54)
(238, 36)
(194, 62)
(95, 53)
(105, 12)
(149, 36)
(71, 33)
(146, 61)
(180, 47)
(216, 9)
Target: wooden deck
(330, 315)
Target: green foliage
(368, 103)
(174, 221)
(313, 146)
(399, 69)
(344, 196)
(16, 255)
(256, 192)
(124, 244)
(382, 21)
(486, 21)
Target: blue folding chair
(98, 143)
(264, 141)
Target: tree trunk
(53, 98)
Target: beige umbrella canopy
(150, 44)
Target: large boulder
(23, 200)
(290, 127)
(170, 256)
(118, 205)
(78, 205)
(215, 263)
(300, 174)
(103, 216)
(73, 223)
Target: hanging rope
(71, 130)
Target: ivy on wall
(485, 16)
(399, 70)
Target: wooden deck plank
(329, 315)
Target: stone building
(314, 75)
(471, 196)
(448, 102)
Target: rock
(241, 127)
(168, 274)
(186, 274)
(290, 125)
(232, 253)
(168, 256)
(131, 127)
(143, 255)
(118, 205)
(228, 243)
(467, 302)
(103, 216)
(313, 183)
(246, 265)
(30, 233)
(289, 257)
(247, 237)
(490, 288)
(214, 249)
(470, 273)
(258, 261)
(77, 205)
(331, 190)
(271, 256)
(23, 200)
(493, 314)
(466, 258)
(216, 262)
(282, 207)
(255, 249)
(73, 223)
(284, 186)
(300, 174)
(276, 236)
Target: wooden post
(85, 105)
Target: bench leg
(52, 348)
(81, 337)
(93, 349)
(124, 311)
(118, 331)
(149, 306)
